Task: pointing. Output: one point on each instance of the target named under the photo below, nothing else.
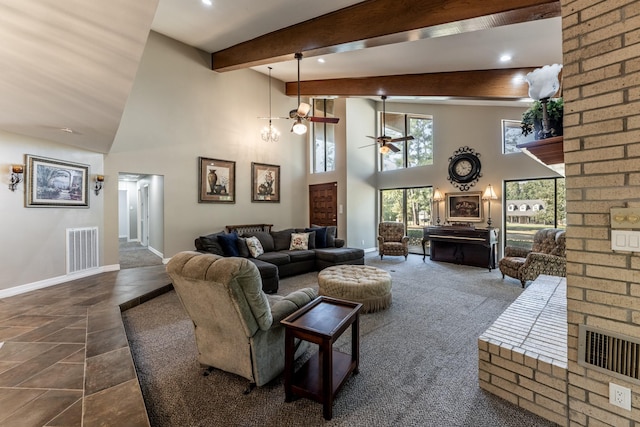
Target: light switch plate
(625, 240)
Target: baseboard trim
(21, 289)
(155, 252)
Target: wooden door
(323, 204)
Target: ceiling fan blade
(274, 118)
(404, 138)
(333, 120)
(393, 148)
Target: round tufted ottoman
(367, 285)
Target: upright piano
(462, 245)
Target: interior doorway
(140, 219)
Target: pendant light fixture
(269, 133)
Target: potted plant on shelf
(532, 119)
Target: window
(411, 206)
(413, 153)
(532, 205)
(324, 148)
(512, 136)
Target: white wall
(34, 239)
(179, 109)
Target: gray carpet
(418, 359)
(134, 255)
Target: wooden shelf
(549, 151)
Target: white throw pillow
(299, 241)
(255, 247)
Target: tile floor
(64, 355)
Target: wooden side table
(321, 322)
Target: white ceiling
(71, 64)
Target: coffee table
(321, 322)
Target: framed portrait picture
(217, 183)
(56, 183)
(265, 183)
(464, 207)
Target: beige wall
(179, 110)
(601, 81)
(34, 239)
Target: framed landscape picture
(464, 207)
(56, 183)
(217, 183)
(265, 183)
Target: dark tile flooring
(64, 356)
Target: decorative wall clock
(464, 168)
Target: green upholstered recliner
(237, 326)
(547, 256)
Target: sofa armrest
(538, 263)
(283, 307)
(405, 240)
(339, 243)
(514, 251)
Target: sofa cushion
(299, 241)
(243, 250)
(282, 239)
(209, 243)
(320, 236)
(265, 239)
(255, 247)
(275, 257)
(301, 255)
(229, 244)
(339, 255)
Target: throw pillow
(282, 239)
(229, 243)
(243, 250)
(299, 241)
(331, 234)
(210, 244)
(321, 236)
(255, 248)
(265, 239)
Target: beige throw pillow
(255, 247)
(299, 241)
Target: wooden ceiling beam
(505, 84)
(380, 22)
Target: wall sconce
(16, 176)
(98, 184)
(489, 195)
(438, 197)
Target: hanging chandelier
(269, 133)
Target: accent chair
(547, 256)
(392, 240)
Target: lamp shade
(437, 195)
(489, 194)
(298, 127)
(384, 149)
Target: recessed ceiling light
(505, 58)
(207, 2)
(321, 60)
(67, 130)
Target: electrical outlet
(620, 396)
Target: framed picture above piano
(464, 207)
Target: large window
(411, 206)
(531, 205)
(412, 153)
(324, 142)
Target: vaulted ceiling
(69, 66)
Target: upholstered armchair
(547, 256)
(392, 240)
(237, 326)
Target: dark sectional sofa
(324, 250)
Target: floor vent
(609, 352)
(82, 249)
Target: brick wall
(601, 90)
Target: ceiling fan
(386, 142)
(302, 112)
